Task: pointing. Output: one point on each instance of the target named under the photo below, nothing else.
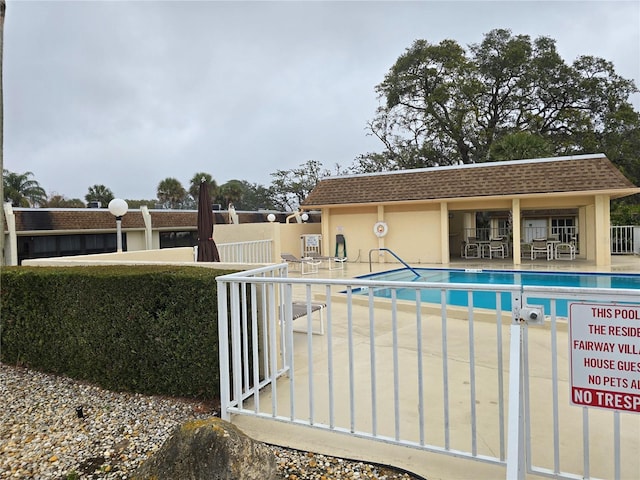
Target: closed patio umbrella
(207, 250)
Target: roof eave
(613, 193)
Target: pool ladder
(396, 256)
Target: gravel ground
(43, 435)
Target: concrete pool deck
(438, 466)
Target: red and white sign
(604, 346)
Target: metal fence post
(516, 427)
(223, 350)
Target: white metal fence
(422, 374)
(573, 442)
(625, 240)
(256, 251)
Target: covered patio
(426, 215)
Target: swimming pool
(487, 299)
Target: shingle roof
(174, 218)
(522, 177)
(73, 219)
(79, 219)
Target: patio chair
(334, 263)
(506, 243)
(496, 247)
(471, 248)
(306, 264)
(540, 246)
(565, 251)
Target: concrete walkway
(438, 466)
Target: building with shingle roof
(53, 232)
(425, 215)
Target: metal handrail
(396, 256)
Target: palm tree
(21, 191)
(231, 192)
(99, 193)
(60, 201)
(194, 185)
(171, 193)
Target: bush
(145, 329)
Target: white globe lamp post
(271, 217)
(118, 208)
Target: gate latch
(532, 314)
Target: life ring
(380, 229)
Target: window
(504, 227)
(178, 239)
(564, 229)
(70, 245)
(67, 245)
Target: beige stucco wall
(432, 232)
(166, 255)
(356, 224)
(285, 238)
(136, 240)
(243, 232)
(413, 233)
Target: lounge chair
(334, 263)
(306, 264)
(301, 309)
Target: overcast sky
(126, 94)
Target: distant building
(56, 232)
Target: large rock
(209, 450)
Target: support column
(516, 230)
(328, 245)
(148, 228)
(582, 232)
(444, 233)
(603, 235)
(11, 241)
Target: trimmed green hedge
(145, 329)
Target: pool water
(487, 299)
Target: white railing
(563, 234)
(261, 352)
(415, 372)
(625, 240)
(556, 440)
(257, 251)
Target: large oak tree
(442, 104)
